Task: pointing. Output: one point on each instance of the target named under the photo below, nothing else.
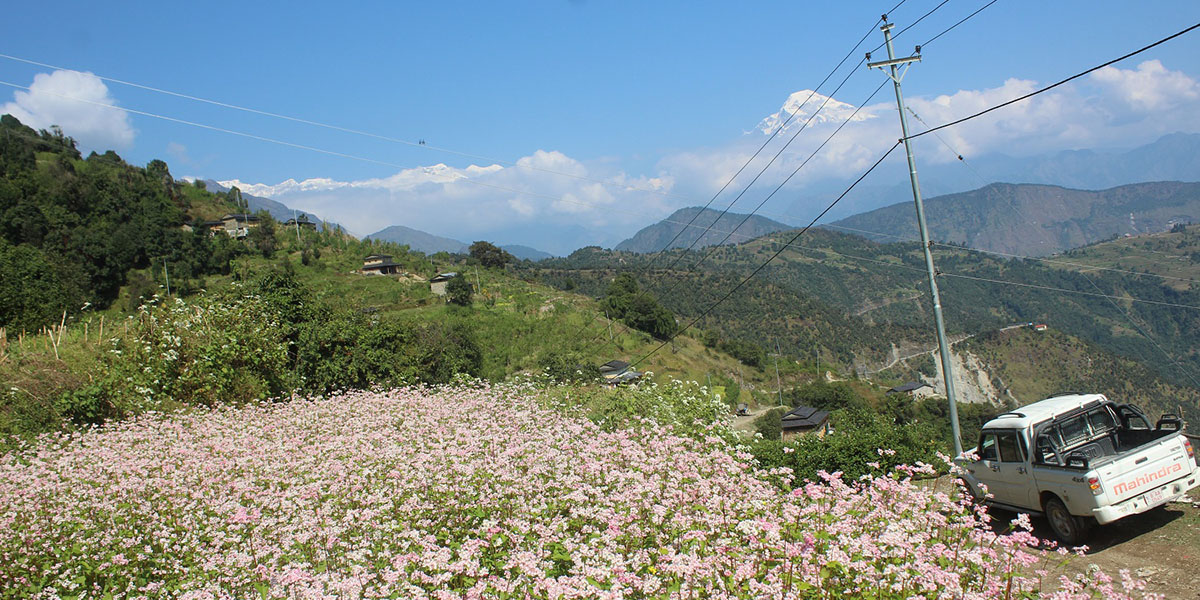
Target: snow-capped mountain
(806, 102)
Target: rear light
(1094, 483)
(1188, 444)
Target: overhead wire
(985, 111)
(459, 176)
(960, 22)
(1111, 300)
(828, 98)
(760, 267)
(774, 191)
(418, 144)
(911, 25)
(1054, 85)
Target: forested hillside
(1036, 220)
(854, 299)
(72, 228)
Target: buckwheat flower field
(474, 492)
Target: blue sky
(662, 97)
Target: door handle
(996, 468)
(1021, 470)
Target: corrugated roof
(803, 417)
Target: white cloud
(71, 100)
(1150, 87)
(553, 201)
(548, 193)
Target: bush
(458, 291)
(862, 443)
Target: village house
(238, 225)
(437, 285)
(379, 264)
(618, 371)
(804, 420)
(917, 389)
(302, 222)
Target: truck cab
(1079, 459)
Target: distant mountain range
(431, 244)
(701, 227)
(1033, 219)
(1173, 157)
(279, 210)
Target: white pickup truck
(1080, 458)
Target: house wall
(438, 288)
(795, 433)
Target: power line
(1054, 85)
(911, 25)
(743, 282)
(793, 173)
(1082, 293)
(781, 127)
(963, 20)
(1147, 335)
(773, 192)
(459, 176)
(418, 144)
(1020, 256)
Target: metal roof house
(301, 222)
(238, 225)
(804, 420)
(617, 371)
(379, 264)
(910, 387)
(437, 284)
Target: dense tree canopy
(490, 255)
(638, 309)
(71, 229)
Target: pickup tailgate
(1145, 468)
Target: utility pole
(895, 75)
(296, 220)
(167, 276)
(778, 386)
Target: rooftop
(1042, 410)
(804, 417)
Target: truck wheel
(1069, 529)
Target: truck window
(1010, 451)
(1074, 430)
(1101, 420)
(1047, 451)
(987, 447)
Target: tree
(490, 255)
(638, 309)
(458, 291)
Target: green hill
(1037, 220)
(859, 303)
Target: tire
(1069, 529)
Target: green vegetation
(72, 229)
(852, 299)
(458, 291)
(490, 255)
(624, 300)
(869, 429)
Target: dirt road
(1161, 546)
